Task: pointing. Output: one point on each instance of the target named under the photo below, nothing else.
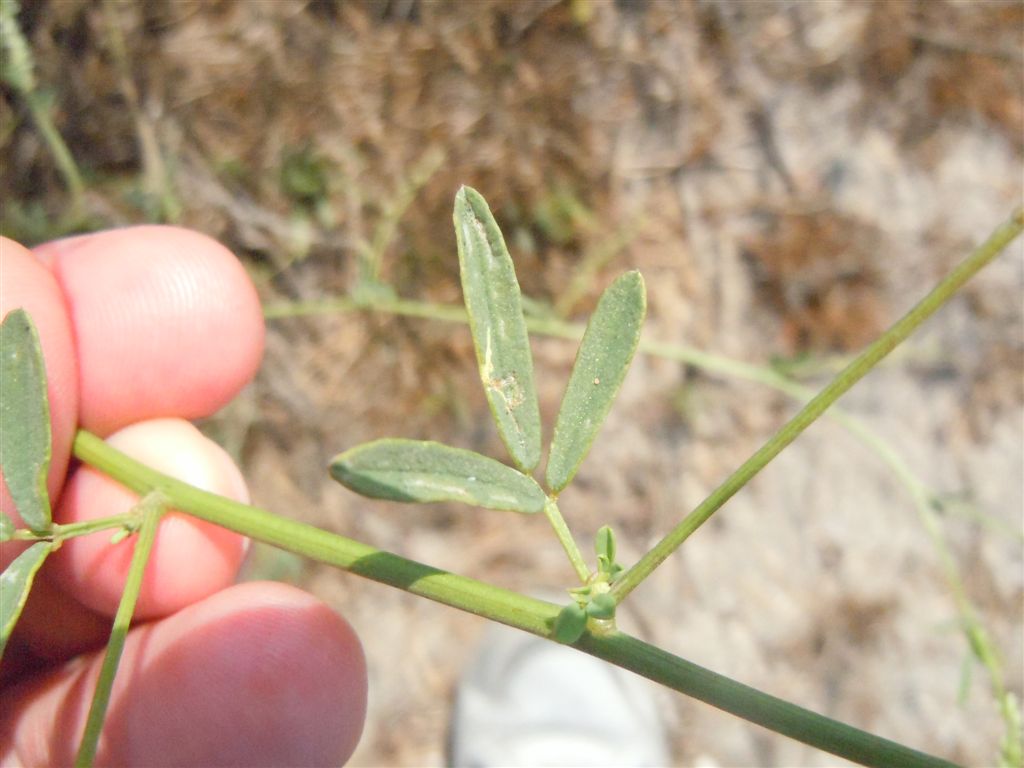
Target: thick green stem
(323, 546)
(752, 705)
(846, 378)
(526, 613)
(151, 509)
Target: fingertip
(258, 674)
(277, 676)
(167, 323)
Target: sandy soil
(789, 177)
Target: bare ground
(789, 177)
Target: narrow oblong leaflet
(425, 471)
(25, 416)
(494, 304)
(15, 584)
(601, 364)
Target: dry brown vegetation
(788, 176)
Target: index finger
(166, 323)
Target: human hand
(138, 325)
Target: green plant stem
(542, 326)
(750, 704)
(970, 625)
(386, 229)
(323, 546)
(451, 313)
(71, 530)
(554, 328)
(151, 508)
(515, 610)
(846, 378)
(42, 117)
(568, 542)
(974, 633)
(17, 68)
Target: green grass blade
(15, 583)
(601, 364)
(25, 416)
(423, 471)
(495, 309)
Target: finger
(167, 323)
(191, 559)
(26, 283)
(78, 590)
(259, 674)
(52, 628)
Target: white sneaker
(525, 701)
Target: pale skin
(138, 325)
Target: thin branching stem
(977, 639)
(70, 530)
(564, 535)
(846, 378)
(151, 508)
(502, 605)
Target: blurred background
(790, 177)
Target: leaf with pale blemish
(24, 419)
(601, 364)
(494, 305)
(425, 471)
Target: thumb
(259, 674)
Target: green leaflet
(25, 418)
(425, 471)
(604, 544)
(494, 304)
(601, 606)
(15, 583)
(601, 364)
(570, 623)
